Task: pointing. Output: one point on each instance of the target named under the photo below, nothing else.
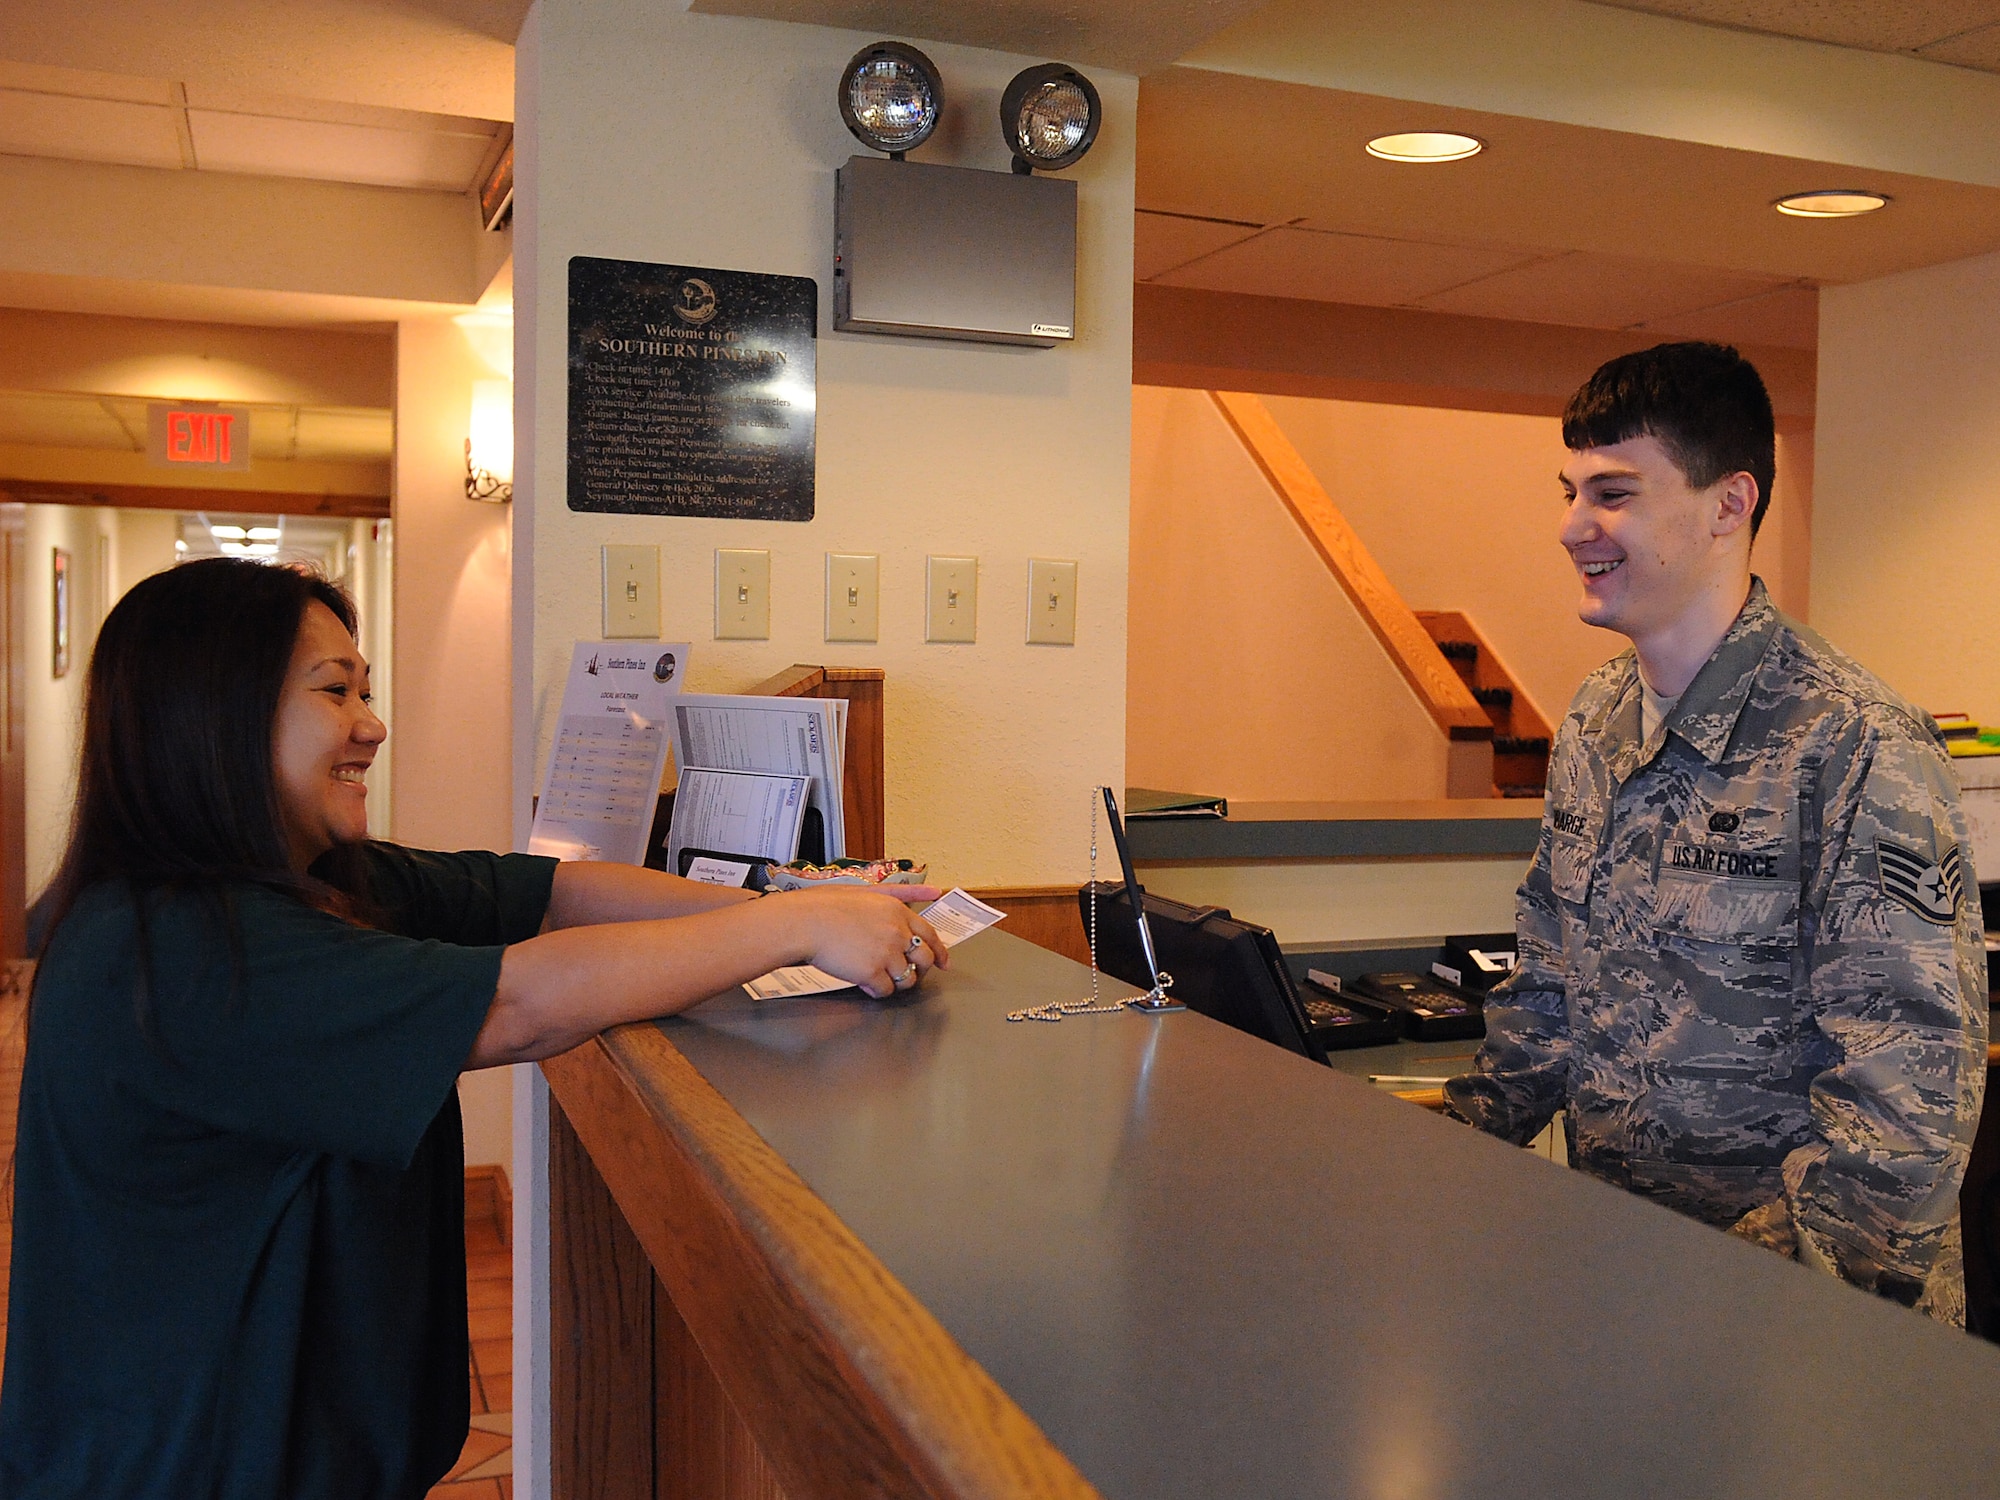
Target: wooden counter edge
(848, 1382)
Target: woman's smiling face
(323, 740)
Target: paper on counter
(956, 916)
(603, 780)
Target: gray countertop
(1343, 830)
(1209, 1268)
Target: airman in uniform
(1750, 971)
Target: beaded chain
(1055, 1010)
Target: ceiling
(1552, 223)
(341, 434)
(158, 122)
(1132, 36)
(317, 541)
(1965, 33)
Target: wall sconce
(489, 445)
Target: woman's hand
(867, 936)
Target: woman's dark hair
(1704, 403)
(175, 786)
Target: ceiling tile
(1162, 242)
(1973, 49)
(84, 85)
(53, 420)
(1788, 318)
(1873, 25)
(1596, 291)
(137, 135)
(1338, 267)
(339, 153)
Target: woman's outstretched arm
(598, 968)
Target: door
(13, 732)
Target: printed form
(956, 916)
(603, 780)
(738, 812)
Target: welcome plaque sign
(691, 391)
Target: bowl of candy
(801, 875)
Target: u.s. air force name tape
(1931, 890)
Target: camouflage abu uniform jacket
(1750, 965)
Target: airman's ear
(1735, 501)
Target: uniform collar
(1706, 715)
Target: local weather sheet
(956, 916)
(603, 779)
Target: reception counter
(836, 1247)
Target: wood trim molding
(850, 1386)
(1448, 701)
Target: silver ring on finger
(907, 973)
(916, 942)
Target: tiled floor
(485, 1471)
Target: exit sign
(197, 435)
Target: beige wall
(1252, 675)
(71, 219)
(176, 361)
(1246, 662)
(648, 133)
(923, 446)
(451, 722)
(1906, 536)
(145, 545)
(54, 706)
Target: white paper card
(956, 916)
(717, 871)
(603, 779)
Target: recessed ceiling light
(1426, 145)
(1833, 203)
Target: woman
(238, 1265)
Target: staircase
(1520, 734)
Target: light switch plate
(853, 596)
(951, 598)
(742, 595)
(631, 593)
(1051, 602)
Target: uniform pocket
(1729, 873)
(1751, 913)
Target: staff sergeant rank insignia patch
(1932, 891)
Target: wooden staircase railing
(1520, 734)
(1445, 695)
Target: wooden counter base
(718, 1334)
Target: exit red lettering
(199, 437)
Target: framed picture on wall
(61, 595)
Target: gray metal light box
(954, 253)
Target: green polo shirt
(239, 1239)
